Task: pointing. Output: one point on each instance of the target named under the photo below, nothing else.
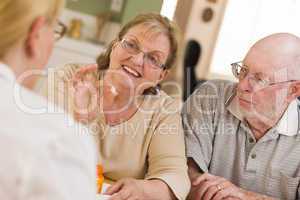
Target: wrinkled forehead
(275, 65)
(151, 36)
(150, 30)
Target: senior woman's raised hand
(85, 90)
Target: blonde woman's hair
(17, 16)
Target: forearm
(157, 189)
(193, 170)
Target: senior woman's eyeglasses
(150, 58)
(240, 71)
(60, 30)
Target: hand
(85, 92)
(127, 189)
(210, 187)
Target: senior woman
(138, 126)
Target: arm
(140, 189)
(167, 160)
(32, 170)
(166, 176)
(157, 189)
(208, 187)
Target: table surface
(102, 197)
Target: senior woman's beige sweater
(150, 145)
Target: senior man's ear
(294, 91)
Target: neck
(116, 97)
(19, 65)
(258, 128)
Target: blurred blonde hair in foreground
(17, 16)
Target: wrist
(157, 189)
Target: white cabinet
(67, 51)
(74, 51)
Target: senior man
(243, 138)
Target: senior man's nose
(245, 84)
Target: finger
(86, 69)
(204, 177)
(210, 192)
(205, 187)
(90, 77)
(90, 68)
(133, 198)
(124, 193)
(210, 187)
(114, 188)
(226, 192)
(231, 198)
(66, 75)
(214, 187)
(116, 197)
(223, 194)
(85, 88)
(75, 81)
(79, 74)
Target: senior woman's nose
(138, 59)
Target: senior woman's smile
(131, 72)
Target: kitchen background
(220, 31)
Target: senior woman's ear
(35, 35)
(163, 75)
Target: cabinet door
(62, 56)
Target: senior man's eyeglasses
(241, 71)
(60, 30)
(150, 59)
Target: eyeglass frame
(63, 31)
(264, 84)
(138, 49)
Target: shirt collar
(6, 73)
(288, 124)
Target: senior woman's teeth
(131, 71)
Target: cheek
(260, 97)
(268, 100)
(50, 47)
(151, 75)
(46, 48)
(116, 56)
